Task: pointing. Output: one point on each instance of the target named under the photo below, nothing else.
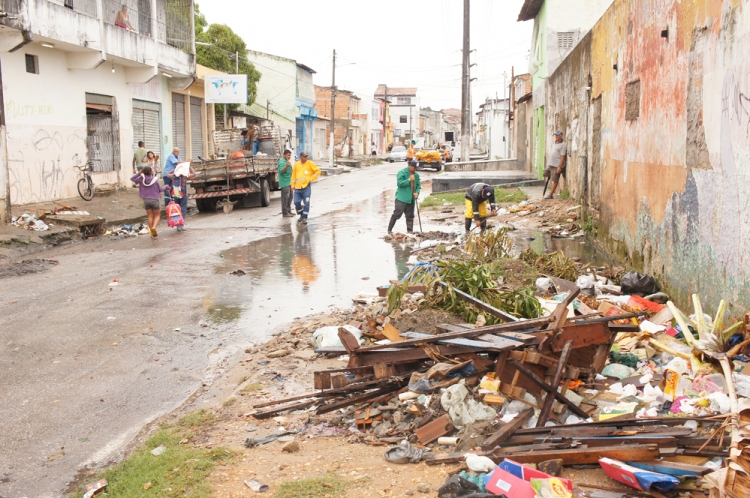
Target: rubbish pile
(605, 375)
(128, 230)
(31, 221)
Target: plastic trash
(636, 478)
(404, 453)
(615, 290)
(719, 402)
(250, 442)
(458, 487)
(637, 283)
(678, 365)
(587, 284)
(257, 486)
(462, 410)
(328, 337)
(479, 463)
(713, 383)
(617, 371)
(544, 284)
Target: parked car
(398, 153)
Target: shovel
(416, 201)
(228, 205)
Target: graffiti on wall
(41, 161)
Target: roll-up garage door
(178, 122)
(147, 125)
(196, 126)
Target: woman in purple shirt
(149, 189)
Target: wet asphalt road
(85, 365)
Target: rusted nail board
(435, 429)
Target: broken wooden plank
(583, 455)
(506, 317)
(359, 398)
(508, 429)
(348, 340)
(281, 409)
(392, 333)
(499, 344)
(560, 315)
(582, 335)
(547, 406)
(435, 429)
(539, 382)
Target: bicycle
(86, 187)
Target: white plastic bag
(462, 410)
(328, 337)
(479, 463)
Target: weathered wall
(568, 110)
(669, 167)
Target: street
(121, 333)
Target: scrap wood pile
(655, 398)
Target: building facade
(558, 27)
(432, 126)
(348, 120)
(494, 129)
(404, 110)
(77, 87)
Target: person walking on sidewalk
(556, 164)
(149, 189)
(479, 197)
(285, 183)
(407, 193)
(138, 157)
(177, 183)
(303, 174)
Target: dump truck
(239, 178)
(432, 159)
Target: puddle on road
(310, 268)
(306, 269)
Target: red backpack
(174, 215)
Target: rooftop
(530, 9)
(395, 91)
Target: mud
(26, 267)
(424, 321)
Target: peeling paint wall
(670, 187)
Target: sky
(402, 43)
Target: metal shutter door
(152, 131)
(178, 121)
(196, 127)
(138, 133)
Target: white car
(398, 153)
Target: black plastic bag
(458, 487)
(638, 284)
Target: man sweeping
(480, 198)
(407, 193)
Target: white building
(404, 110)
(494, 132)
(76, 87)
(432, 126)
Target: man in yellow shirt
(303, 174)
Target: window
(375, 113)
(633, 100)
(403, 101)
(403, 119)
(32, 64)
(565, 40)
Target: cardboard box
(502, 482)
(527, 473)
(637, 478)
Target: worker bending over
(480, 198)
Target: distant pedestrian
(138, 155)
(410, 152)
(149, 189)
(285, 183)
(152, 160)
(303, 174)
(479, 198)
(373, 150)
(556, 164)
(409, 186)
(178, 183)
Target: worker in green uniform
(285, 181)
(407, 193)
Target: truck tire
(207, 205)
(265, 193)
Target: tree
(220, 53)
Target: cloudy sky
(396, 42)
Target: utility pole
(465, 91)
(333, 108)
(268, 109)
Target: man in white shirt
(556, 161)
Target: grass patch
(181, 470)
(565, 195)
(315, 487)
(457, 198)
(242, 380)
(252, 387)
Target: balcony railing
(85, 7)
(131, 15)
(173, 25)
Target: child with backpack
(149, 189)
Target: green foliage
(565, 194)
(182, 469)
(489, 245)
(457, 198)
(329, 485)
(224, 43)
(555, 264)
(588, 226)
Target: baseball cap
(413, 162)
(304, 154)
(487, 191)
(558, 133)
